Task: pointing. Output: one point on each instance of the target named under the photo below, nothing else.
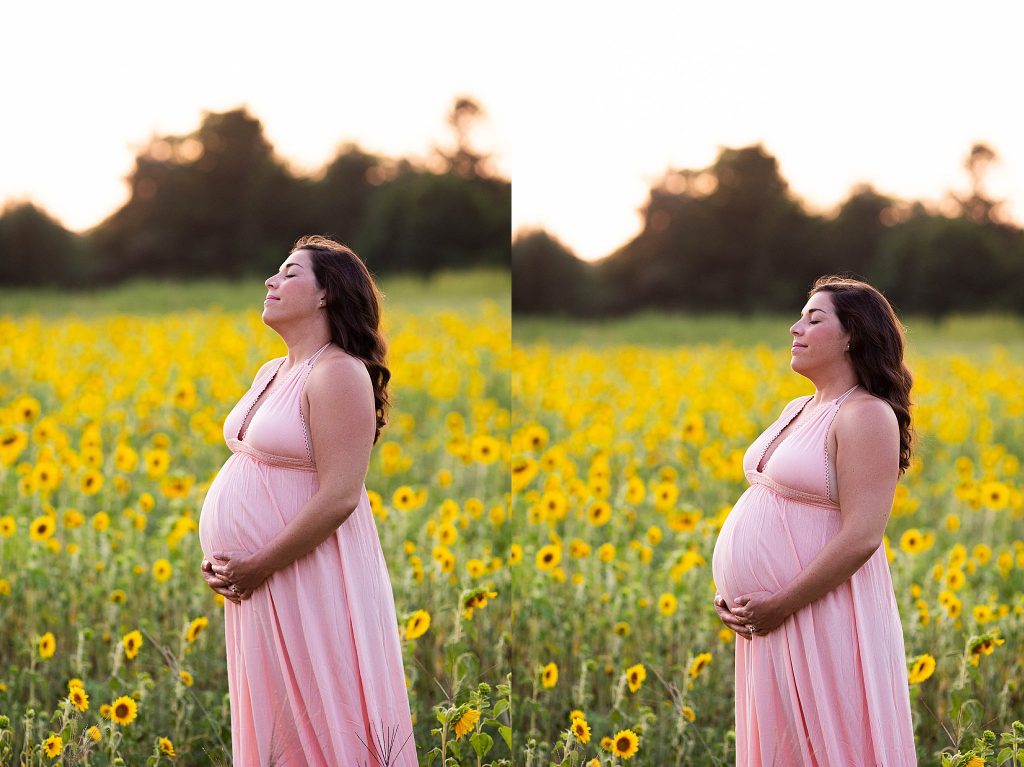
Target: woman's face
(819, 340)
(293, 292)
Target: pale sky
(893, 93)
(85, 85)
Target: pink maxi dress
(315, 671)
(827, 688)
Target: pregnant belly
(249, 503)
(766, 541)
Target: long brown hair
(876, 347)
(353, 312)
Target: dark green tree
(549, 278)
(338, 201)
(421, 221)
(855, 234)
(727, 237)
(36, 250)
(216, 201)
(934, 265)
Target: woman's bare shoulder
(338, 369)
(867, 415)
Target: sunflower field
(111, 646)
(627, 458)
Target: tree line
(733, 237)
(220, 202)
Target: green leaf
(506, 733)
(481, 743)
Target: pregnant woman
(315, 672)
(821, 677)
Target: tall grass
(444, 290)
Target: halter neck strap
(317, 353)
(848, 392)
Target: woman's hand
(218, 584)
(242, 570)
(758, 610)
(729, 619)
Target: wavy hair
(876, 347)
(353, 312)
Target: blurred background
(200, 141)
(681, 178)
(157, 161)
(697, 159)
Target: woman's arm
(867, 469)
(342, 423)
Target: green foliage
(548, 276)
(422, 222)
(36, 250)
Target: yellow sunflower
(132, 642)
(466, 723)
(549, 675)
(47, 645)
(91, 482)
(921, 669)
(417, 624)
(635, 676)
(124, 710)
(625, 744)
(162, 570)
(195, 627)
(42, 528)
(549, 556)
(79, 697)
(599, 513)
(699, 663)
(581, 729)
(53, 745)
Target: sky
(86, 85)
(891, 93)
